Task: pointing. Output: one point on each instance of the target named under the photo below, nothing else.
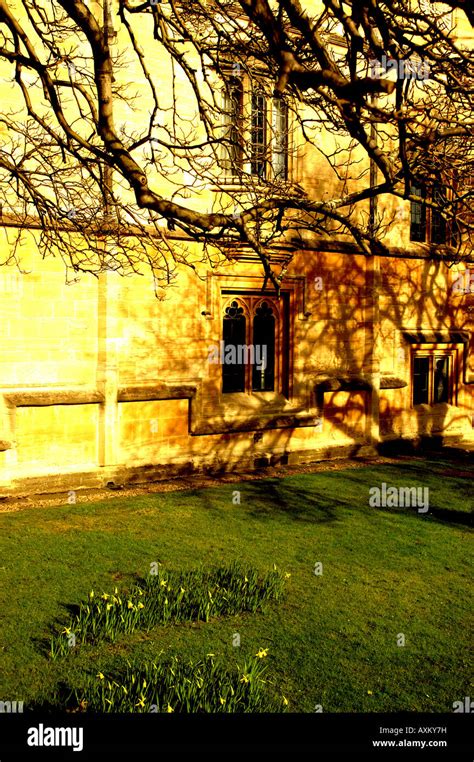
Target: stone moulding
(156, 392)
(336, 383)
(254, 424)
(436, 337)
(86, 396)
(392, 382)
(52, 396)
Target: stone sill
(52, 396)
(41, 396)
(260, 423)
(392, 382)
(154, 392)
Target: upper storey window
(269, 137)
(256, 132)
(428, 224)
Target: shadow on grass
(319, 498)
(268, 498)
(449, 516)
(275, 496)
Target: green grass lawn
(332, 640)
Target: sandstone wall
(99, 377)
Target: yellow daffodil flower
(100, 675)
(261, 653)
(169, 709)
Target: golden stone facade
(101, 381)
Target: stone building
(102, 382)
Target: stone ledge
(259, 423)
(52, 396)
(326, 382)
(150, 392)
(392, 382)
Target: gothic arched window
(254, 344)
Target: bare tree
(103, 193)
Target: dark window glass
(417, 216)
(421, 373)
(438, 223)
(258, 135)
(232, 161)
(263, 374)
(441, 380)
(233, 331)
